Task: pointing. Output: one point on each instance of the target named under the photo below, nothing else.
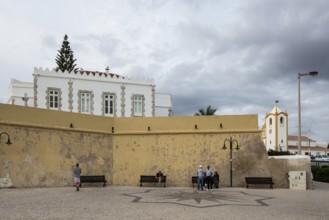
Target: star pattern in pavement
(200, 199)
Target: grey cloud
(238, 56)
(49, 41)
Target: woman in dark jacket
(216, 179)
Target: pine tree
(65, 59)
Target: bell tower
(275, 129)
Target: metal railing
(319, 163)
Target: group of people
(204, 177)
(207, 177)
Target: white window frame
(138, 101)
(85, 102)
(53, 98)
(108, 104)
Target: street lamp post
(25, 98)
(231, 160)
(8, 140)
(299, 75)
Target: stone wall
(280, 166)
(46, 147)
(46, 157)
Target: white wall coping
(290, 157)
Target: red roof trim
(95, 73)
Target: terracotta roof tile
(307, 148)
(302, 138)
(95, 73)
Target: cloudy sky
(237, 56)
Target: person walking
(200, 174)
(77, 173)
(209, 178)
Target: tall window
(108, 104)
(53, 99)
(281, 120)
(138, 105)
(85, 98)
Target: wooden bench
(216, 183)
(93, 179)
(194, 180)
(259, 181)
(152, 179)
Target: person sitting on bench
(159, 177)
(216, 179)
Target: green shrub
(315, 170)
(320, 174)
(278, 153)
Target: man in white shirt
(200, 174)
(209, 178)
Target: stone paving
(132, 202)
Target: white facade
(275, 130)
(162, 102)
(98, 93)
(308, 146)
(18, 90)
(304, 141)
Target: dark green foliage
(65, 59)
(320, 174)
(208, 111)
(278, 153)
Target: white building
(18, 91)
(163, 105)
(91, 92)
(275, 129)
(308, 146)
(275, 136)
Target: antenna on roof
(276, 103)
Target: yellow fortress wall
(45, 147)
(47, 144)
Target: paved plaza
(132, 202)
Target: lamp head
(8, 141)
(224, 147)
(314, 73)
(237, 147)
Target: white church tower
(275, 129)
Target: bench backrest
(259, 180)
(151, 178)
(92, 178)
